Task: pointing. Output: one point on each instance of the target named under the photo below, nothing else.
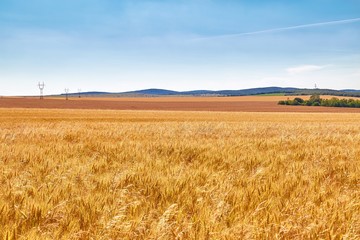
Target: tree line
(315, 100)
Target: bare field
(232, 104)
(191, 99)
(254, 98)
(94, 174)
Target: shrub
(315, 100)
(299, 100)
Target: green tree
(298, 101)
(315, 99)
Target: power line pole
(66, 93)
(41, 88)
(79, 91)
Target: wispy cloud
(356, 74)
(311, 25)
(304, 69)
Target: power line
(41, 88)
(66, 93)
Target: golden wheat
(68, 174)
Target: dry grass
(68, 174)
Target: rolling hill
(241, 92)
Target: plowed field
(232, 104)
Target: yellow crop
(70, 174)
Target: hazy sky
(115, 45)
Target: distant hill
(241, 92)
(351, 90)
(86, 93)
(256, 91)
(347, 93)
(152, 91)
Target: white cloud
(356, 74)
(304, 69)
(311, 25)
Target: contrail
(281, 29)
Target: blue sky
(109, 45)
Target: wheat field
(91, 174)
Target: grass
(67, 174)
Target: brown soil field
(231, 104)
(255, 98)
(190, 99)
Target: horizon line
(178, 91)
